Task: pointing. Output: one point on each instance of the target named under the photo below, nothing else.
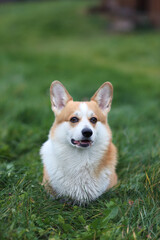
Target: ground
(58, 40)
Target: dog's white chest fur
(72, 171)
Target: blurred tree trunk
(154, 12)
(127, 14)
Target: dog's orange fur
(109, 160)
(45, 182)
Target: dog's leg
(113, 180)
(45, 183)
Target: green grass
(41, 42)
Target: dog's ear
(59, 96)
(103, 97)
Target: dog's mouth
(81, 143)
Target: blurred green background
(59, 40)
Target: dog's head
(81, 124)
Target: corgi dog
(79, 158)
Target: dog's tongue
(76, 142)
(81, 142)
(85, 141)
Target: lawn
(44, 41)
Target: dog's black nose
(87, 132)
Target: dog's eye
(74, 120)
(93, 120)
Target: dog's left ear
(103, 97)
(59, 96)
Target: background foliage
(41, 42)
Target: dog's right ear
(59, 96)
